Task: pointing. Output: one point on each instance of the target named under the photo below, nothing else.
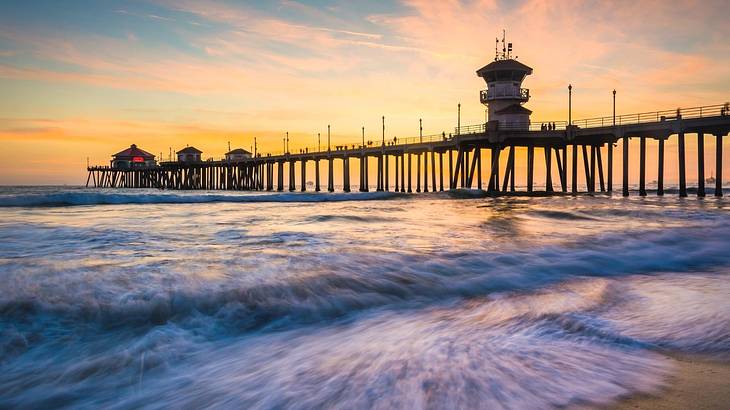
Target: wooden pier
(459, 158)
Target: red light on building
(137, 159)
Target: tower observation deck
(504, 95)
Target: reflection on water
(148, 299)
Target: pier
(442, 162)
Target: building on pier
(238, 154)
(132, 157)
(189, 154)
(504, 95)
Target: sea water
(144, 298)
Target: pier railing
(513, 126)
(656, 116)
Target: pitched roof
(133, 151)
(189, 150)
(504, 65)
(514, 109)
(238, 151)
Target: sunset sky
(88, 78)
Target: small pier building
(189, 154)
(132, 157)
(238, 154)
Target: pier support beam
(402, 173)
(548, 170)
(561, 168)
(660, 170)
(433, 170)
(409, 173)
(625, 166)
(478, 153)
(441, 171)
(574, 168)
(586, 168)
(681, 164)
(457, 172)
(292, 172)
(346, 174)
(451, 170)
(700, 165)
(642, 166)
(316, 175)
(418, 172)
(396, 173)
(530, 166)
(599, 158)
(387, 171)
(609, 171)
(279, 177)
(493, 185)
(425, 171)
(718, 165)
(304, 175)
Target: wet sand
(697, 383)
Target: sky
(85, 79)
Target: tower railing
(490, 94)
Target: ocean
(122, 299)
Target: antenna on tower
(496, 49)
(504, 50)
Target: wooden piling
(642, 166)
(433, 170)
(346, 174)
(441, 171)
(682, 167)
(574, 168)
(425, 171)
(660, 170)
(625, 166)
(548, 171)
(599, 158)
(700, 164)
(718, 165)
(609, 171)
(530, 166)
(409, 173)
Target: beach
(696, 383)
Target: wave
(330, 286)
(106, 198)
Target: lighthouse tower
(504, 95)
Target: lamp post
(570, 105)
(614, 108)
(318, 144)
(420, 129)
(255, 146)
(458, 120)
(383, 130)
(363, 137)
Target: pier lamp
(420, 129)
(570, 104)
(328, 137)
(383, 130)
(458, 119)
(363, 137)
(318, 139)
(614, 108)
